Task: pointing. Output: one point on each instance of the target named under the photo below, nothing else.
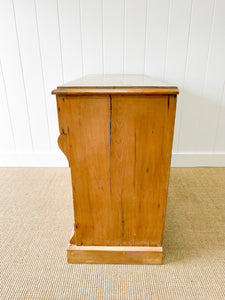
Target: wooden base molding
(114, 255)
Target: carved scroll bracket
(64, 145)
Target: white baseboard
(59, 160)
(33, 160)
(198, 160)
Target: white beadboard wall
(47, 42)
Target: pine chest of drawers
(116, 132)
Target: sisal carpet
(36, 222)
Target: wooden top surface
(115, 80)
(116, 84)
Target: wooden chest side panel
(88, 132)
(142, 134)
(119, 150)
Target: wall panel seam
(81, 40)
(103, 54)
(60, 40)
(23, 79)
(42, 75)
(185, 73)
(219, 116)
(8, 109)
(124, 33)
(145, 43)
(209, 47)
(167, 39)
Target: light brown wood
(116, 81)
(117, 91)
(119, 149)
(116, 84)
(88, 134)
(142, 132)
(114, 255)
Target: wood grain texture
(114, 255)
(116, 81)
(120, 159)
(86, 123)
(142, 133)
(117, 90)
(119, 150)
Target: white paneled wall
(47, 42)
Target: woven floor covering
(36, 222)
